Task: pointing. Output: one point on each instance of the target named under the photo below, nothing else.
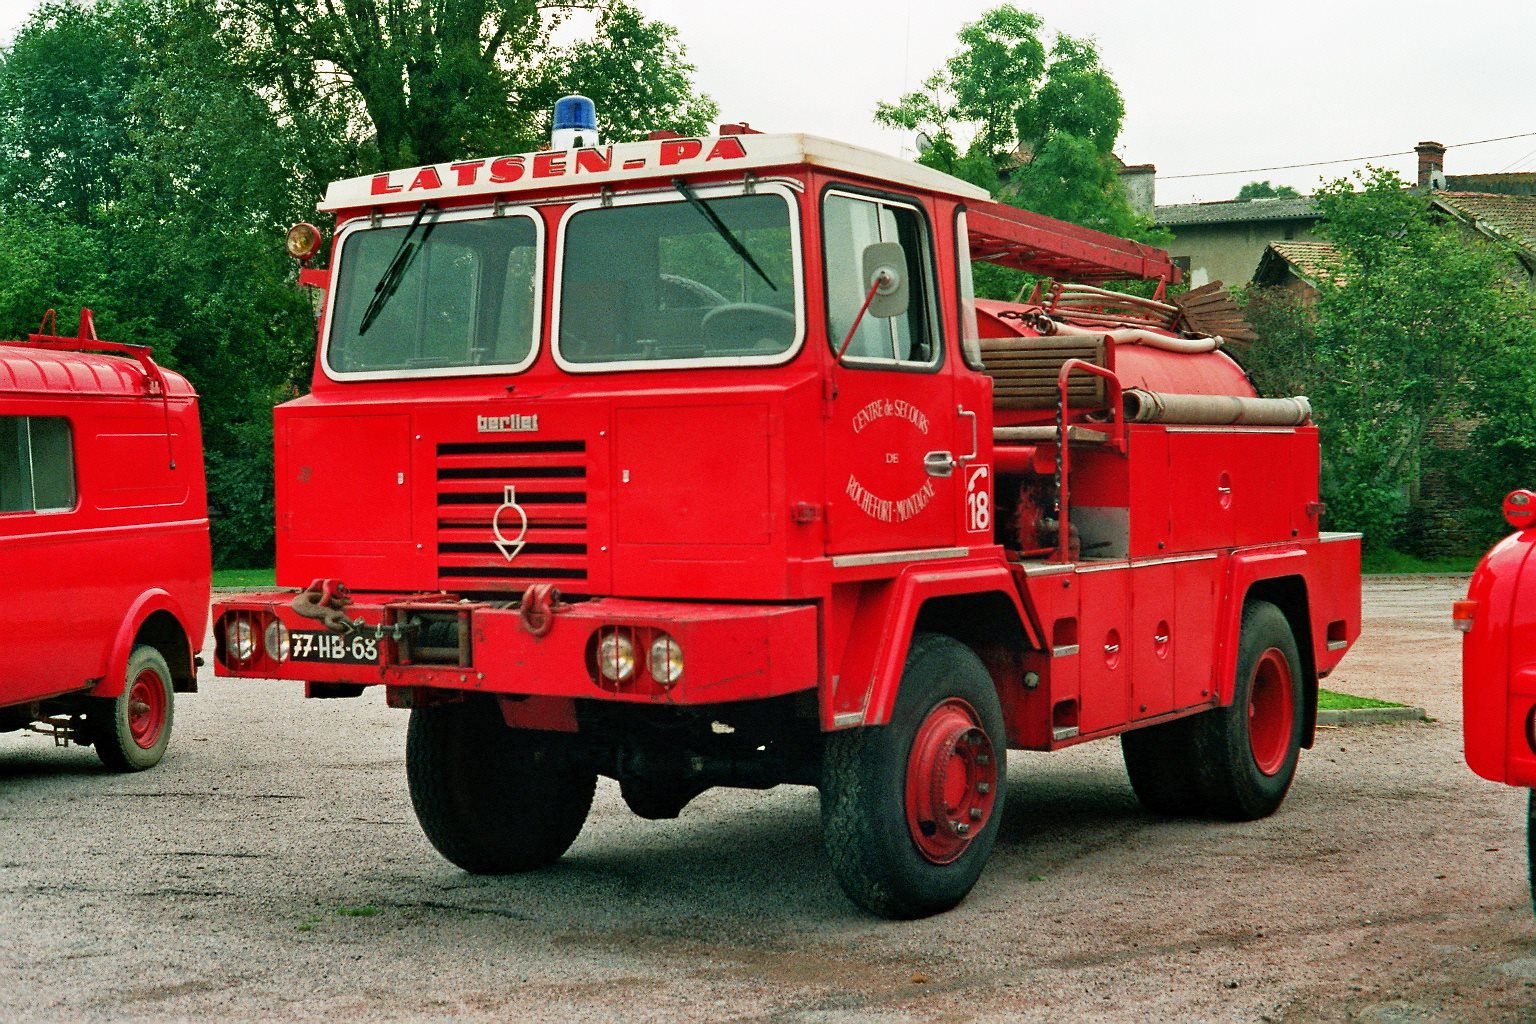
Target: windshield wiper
(720, 228)
(395, 272)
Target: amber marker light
(1520, 509)
(303, 241)
(1462, 614)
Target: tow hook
(541, 602)
(326, 601)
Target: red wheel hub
(146, 709)
(951, 781)
(1271, 712)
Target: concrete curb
(1370, 716)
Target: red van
(1498, 660)
(103, 544)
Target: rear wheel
(131, 731)
(1246, 754)
(1160, 761)
(909, 810)
(492, 799)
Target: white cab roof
(633, 161)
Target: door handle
(940, 464)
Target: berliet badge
(509, 546)
(517, 423)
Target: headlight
(615, 657)
(666, 660)
(275, 639)
(240, 639)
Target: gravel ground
(271, 868)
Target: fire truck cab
(1498, 660)
(104, 540)
(695, 461)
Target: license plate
(332, 648)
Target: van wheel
(909, 810)
(492, 799)
(130, 731)
(1160, 760)
(1246, 753)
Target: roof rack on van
(87, 340)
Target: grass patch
(255, 578)
(1328, 700)
(1383, 563)
(356, 911)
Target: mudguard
(1243, 571)
(863, 688)
(148, 603)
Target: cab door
(890, 407)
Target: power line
(1344, 160)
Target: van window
(37, 464)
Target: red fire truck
(694, 462)
(104, 541)
(1498, 660)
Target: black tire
(491, 799)
(1530, 842)
(1160, 761)
(1246, 753)
(890, 859)
(131, 731)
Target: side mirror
(886, 262)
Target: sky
(1209, 85)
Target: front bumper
(731, 652)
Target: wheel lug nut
(983, 788)
(983, 759)
(962, 829)
(975, 813)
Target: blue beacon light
(575, 123)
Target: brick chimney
(1431, 165)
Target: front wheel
(909, 810)
(1247, 752)
(492, 799)
(131, 731)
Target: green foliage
(152, 152)
(1033, 124)
(1424, 324)
(633, 70)
(1264, 190)
(427, 81)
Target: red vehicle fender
(147, 604)
(871, 671)
(1496, 695)
(1243, 571)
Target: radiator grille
(548, 480)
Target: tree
(633, 70)
(1033, 123)
(435, 80)
(152, 152)
(1264, 190)
(1419, 324)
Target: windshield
(664, 280)
(465, 300)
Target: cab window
(37, 464)
(850, 223)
